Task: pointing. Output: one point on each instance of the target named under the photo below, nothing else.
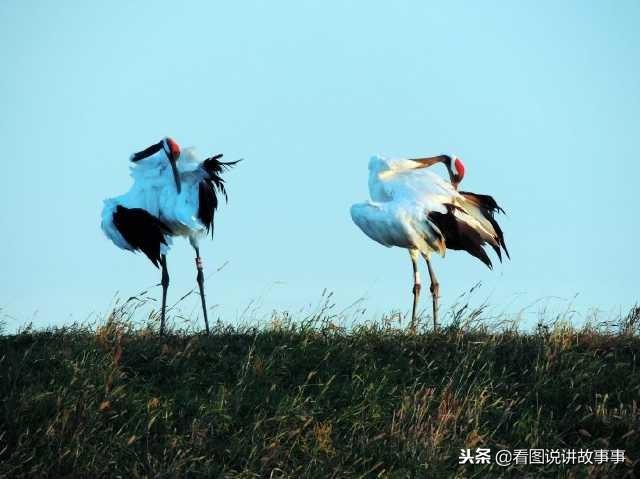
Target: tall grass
(310, 398)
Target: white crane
(413, 208)
(173, 194)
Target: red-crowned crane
(173, 194)
(413, 208)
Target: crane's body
(413, 208)
(152, 180)
(167, 198)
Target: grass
(313, 399)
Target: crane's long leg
(200, 279)
(165, 286)
(416, 288)
(435, 292)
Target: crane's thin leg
(165, 286)
(435, 293)
(200, 279)
(416, 288)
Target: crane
(413, 208)
(173, 194)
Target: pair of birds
(175, 194)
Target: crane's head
(454, 165)
(171, 150)
(456, 171)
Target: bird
(411, 207)
(173, 194)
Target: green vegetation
(312, 399)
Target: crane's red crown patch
(459, 167)
(174, 147)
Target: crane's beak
(176, 175)
(429, 161)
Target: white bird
(413, 208)
(173, 194)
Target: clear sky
(540, 99)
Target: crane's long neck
(446, 160)
(376, 187)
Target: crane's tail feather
(208, 188)
(459, 234)
(462, 232)
(214, 169)
(484, 208)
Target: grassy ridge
(313, 400)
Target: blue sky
(540, 100)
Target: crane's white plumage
(399, 223)
(153, 183)
(402, 195)
(400, 179)
(180, 210)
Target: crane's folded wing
(398, 224)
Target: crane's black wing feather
(143, 231)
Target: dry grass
(313, 399)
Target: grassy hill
(312, 399)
